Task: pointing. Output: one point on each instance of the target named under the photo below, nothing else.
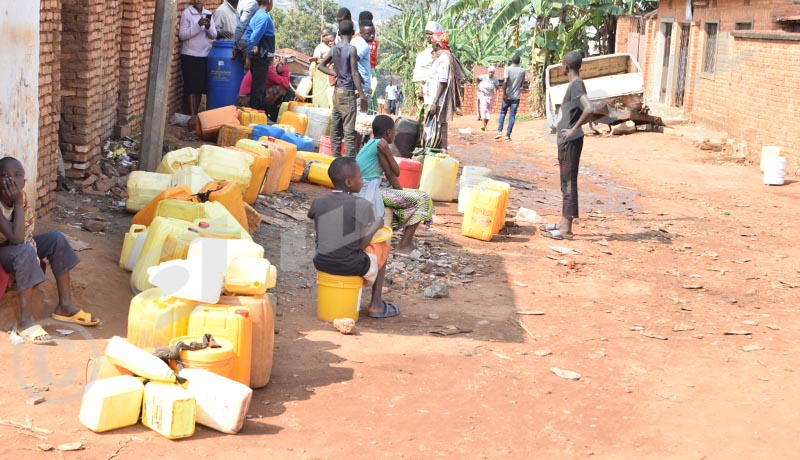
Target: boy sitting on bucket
(20, 254)
(345, 225)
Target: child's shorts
(377, 253)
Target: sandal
(81, 317)
(548, 227)
(390, 310)
(36, 335)
(557, 235)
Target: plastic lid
(242, 312)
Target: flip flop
(554, 234)
(548, 227)
(35, 334)
(81, 317)
(391, 310)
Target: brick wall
(134, 58)
(470, 96)
(49, 103)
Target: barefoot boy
(344, 226)
(574, 112)
(21, 250)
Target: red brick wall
(89, 79)
(49, 103)
(470, 96)
(134, 58)
(727, 12)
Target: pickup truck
(615, 85)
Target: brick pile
(49, 103)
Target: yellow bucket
(338, 296)
(216, 360)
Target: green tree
(299, 27)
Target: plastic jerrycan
(210, 121)
(262, 315)
(141, 363)
(249, 276)
(318, 174)
(314, 156)
(150, 256)
(229, 195)
(233, 324)
(145, 215)
(134, 233)
(226, 165)
(222, 403)
(220, 223)
(193, 177)
(220, 252)
(142, 187)
(505, 190)
(218, 360)
(155, 318)
(230, 134)
(481, 214)
(438, 177)
(111, 403)
(249, 116)
(300, 122)
(175, 160)
(169, 410)
(279, 175)
(261, 161)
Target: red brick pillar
(49, 103)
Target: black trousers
(258, 94)
(569, 159)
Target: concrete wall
(19, 92)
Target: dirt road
(674, 250)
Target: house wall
(19, 93)
(750, 93)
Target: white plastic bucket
(465, 187)
(319, 121)
(774, 170)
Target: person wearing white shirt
(226, 19)
(391, 98)
(196, 29)
(423, 66)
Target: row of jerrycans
(247, 322)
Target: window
(743, 25)
(710, 57)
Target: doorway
(683, 63)
(666, 30)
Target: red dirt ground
(658, 215)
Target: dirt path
(660, 217)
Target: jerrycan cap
(242, 312)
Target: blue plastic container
(224, 75)
(303, 143)
(267, 130)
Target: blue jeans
(508, 104)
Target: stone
(89, 181)
(105, 184)
(543, 352)
(565, 374)
(35, 400)
(95, 226)
(682, 327)
(427, 268)
(750, 322)
(109, 170)
(752, 348)
(437, 290)
(433, 316)
(467, 271)
(416, 254)
(346, 326)
(96, 170)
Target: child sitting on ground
(345, 225)
(20, 254)
(380, 172)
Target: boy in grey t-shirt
(514, 76)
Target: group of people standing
(249, 24)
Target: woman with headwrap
(442, 92)
(487, 87)
(423, 66)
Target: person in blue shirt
(260, 36)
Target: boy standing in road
(349, 92)
(574, 113)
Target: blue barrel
(224, 75)
(260, 131)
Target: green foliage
(299, 28)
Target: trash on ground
(565, 374)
